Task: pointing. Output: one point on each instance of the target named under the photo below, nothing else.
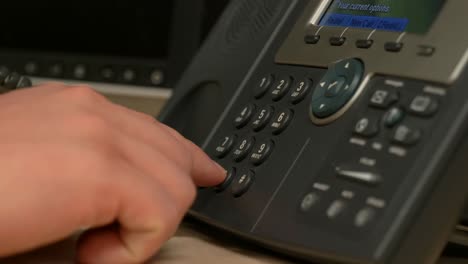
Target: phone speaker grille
(250, 19)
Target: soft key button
(337, 41)
(312, 39)
(364, 43)
(393, 46)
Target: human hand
(70, 159)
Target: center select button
(336, 89)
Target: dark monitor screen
(415, 16)
(119, 28)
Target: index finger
(205, 171)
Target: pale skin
(71, 160)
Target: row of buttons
(281, 87)
(391, 46)
(11, 81)
(82, 72)
(244, 147)
(362, 218)
(421, 105)
(280, 122)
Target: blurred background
(132, 51)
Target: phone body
(342, 125)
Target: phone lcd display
(414, 16)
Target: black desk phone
(342, 124)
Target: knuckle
(83, 93)
(92, 126)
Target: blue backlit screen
(415, 16)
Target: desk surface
(187, 247)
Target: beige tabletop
(187, 247)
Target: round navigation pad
(336, 89)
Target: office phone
(342, 125)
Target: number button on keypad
(242, 183)
(281, 121)
(263, 86)
(244, 116)
(225, 146)
(243, 148)
(281, 88)
(262, 118)
(231, 174)
(300, 91)
(261, 152)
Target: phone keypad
(263, 120)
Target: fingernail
(219, 166)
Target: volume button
(366, 177)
